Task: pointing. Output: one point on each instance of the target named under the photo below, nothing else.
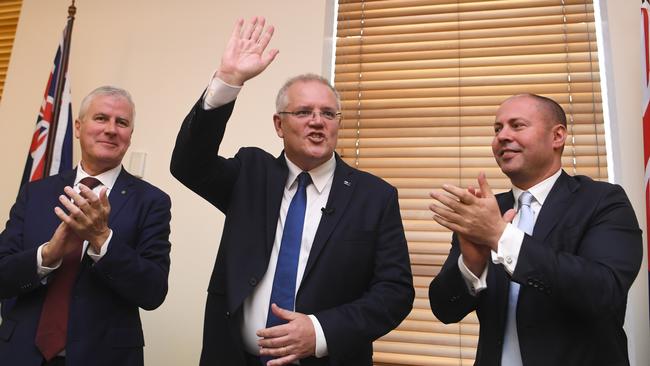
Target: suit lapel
(121, 192)
(557, 202)
(276, 180)
(343, 184)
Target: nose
(503, 135)
(110, 127)
(316, 118)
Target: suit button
(253, 281)
(227, 314)
(530, 282)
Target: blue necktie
(511, 355)
(284, 283)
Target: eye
(123, 122)
(497, 128)
(328, 114)
(303, 113)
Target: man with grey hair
(84, 250)
(313, 264)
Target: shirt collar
(320, 175)
(539, 191)
(107, 178)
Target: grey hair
(109, 91)
(281, 101)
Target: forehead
(311, 93)
(111, 105)
(519, 107)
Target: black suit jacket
(104, 327)
(357, 282)
(575, 272)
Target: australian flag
(50, 151)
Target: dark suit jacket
(575, 272)
(104, 326)
(357, 282)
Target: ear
(77, 126)
(277, 123)
(559, 136)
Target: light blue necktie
(284, 283)
(511, 355)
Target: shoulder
(366, 180)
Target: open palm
(244, 57)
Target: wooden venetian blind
(420, 82)
(9, 13)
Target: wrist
(229, 78)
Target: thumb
(486, 191)
(509, 215)
(282, 313)
(103, 197)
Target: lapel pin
(123, 192)
(347, 183)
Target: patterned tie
(511, 355)
(53, 325)
(284, 283)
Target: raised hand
(244, 57)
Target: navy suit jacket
(575, 272)
(357, 282)
(104, 327)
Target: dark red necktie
(53, 324)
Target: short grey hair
(281, 101)
(107, 90)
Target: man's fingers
(236, 32)
(509, 215)
(286, 360)
(257, 30)
(249, 28)
(486, 191)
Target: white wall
(163, 52)
(622, 58)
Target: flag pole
(65, 55)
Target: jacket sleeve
(449, 296)
(195, 161)
(17, 263)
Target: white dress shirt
(256, 306)
(107, 179)
(512, 237)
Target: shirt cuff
(508, 248)
(219, 93)
(102, 251)
(321, 342)
(474, 284)
(41, 270)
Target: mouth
(108, 143)
(316, 137)
(508, 153)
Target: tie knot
(90, 182)
(525, 199)
(304, 179)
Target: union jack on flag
(51, 149)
